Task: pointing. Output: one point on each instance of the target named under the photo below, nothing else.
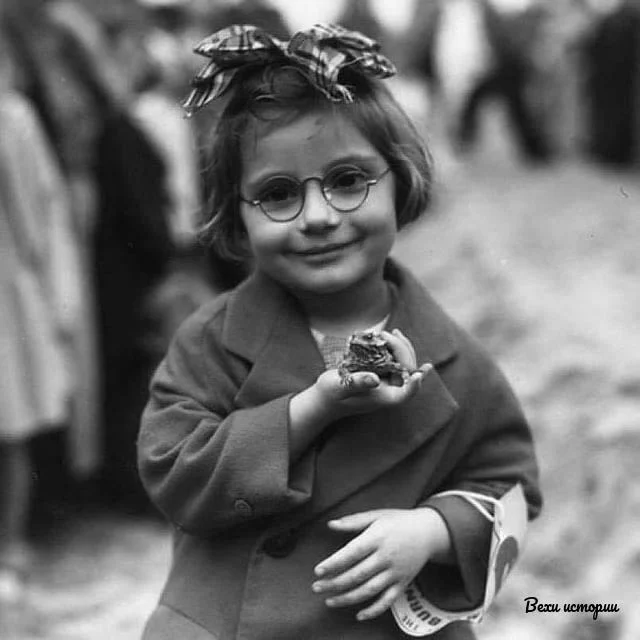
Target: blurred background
(531, 109)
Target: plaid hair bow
(324, 51)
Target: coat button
(281, 544)
(243, 508)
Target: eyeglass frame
(371, 182)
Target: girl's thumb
(355, 522)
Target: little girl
(304, 507)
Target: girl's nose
(317, 213)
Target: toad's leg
(345, 375)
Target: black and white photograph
(319, 320)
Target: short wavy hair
(271, 96)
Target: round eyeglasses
(345, 188)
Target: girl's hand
(328, 399)
(392, 547)
(367, 391)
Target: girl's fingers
(416, 378)
(401, 348)
(352, 578)
(406, 341)
(365, 591)
(352, 552)
(363, 381)
(415, 381)
(382, 603)
(356, 521)
(426, 367)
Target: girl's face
(322, 251)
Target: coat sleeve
(496, 452)
(207, 465)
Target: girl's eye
(347, 180)
(278, 193)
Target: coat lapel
(265, 325)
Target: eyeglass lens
(345, 189)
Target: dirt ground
(542, 264)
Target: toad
(369, 351)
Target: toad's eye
(346, 180)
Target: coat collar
(265, 325)
(259, 304)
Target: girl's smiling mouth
(325, 250)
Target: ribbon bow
(324, 51)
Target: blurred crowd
(565, 72)
(101, 193)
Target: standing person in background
(46, 38)
(557, 87)
(39, 301)
(157, 109)
(306, 498)
(133, 250)
(449, 50)
(509, 78)
(84, 85)
(470, 52)
(611, 59)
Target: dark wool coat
(250, 526)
